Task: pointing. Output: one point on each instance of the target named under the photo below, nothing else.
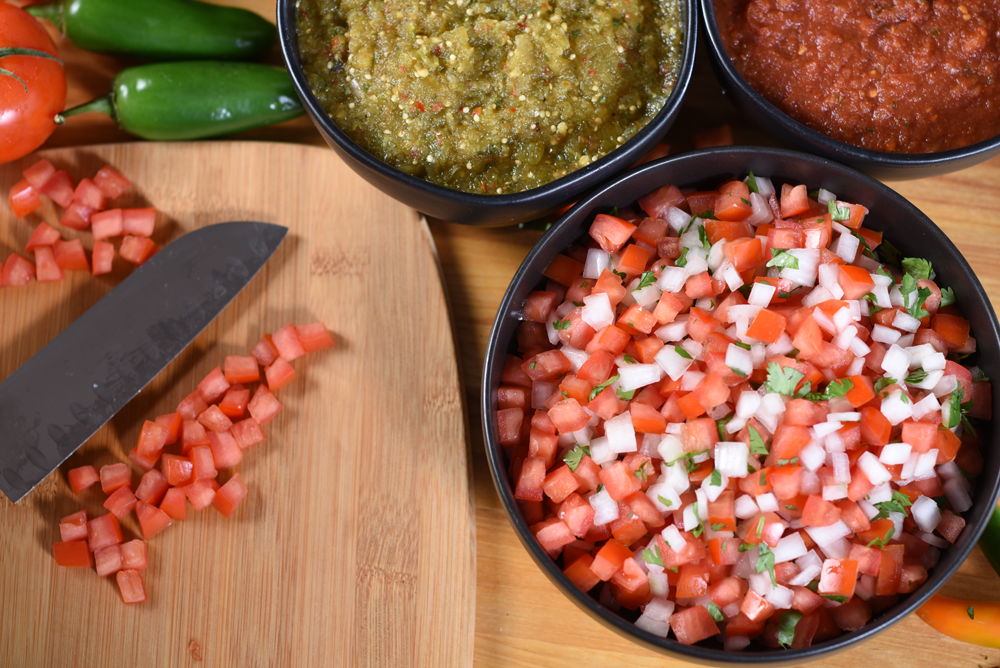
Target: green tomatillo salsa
(490, 96)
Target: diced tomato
(314, 337)
(611, 232)
(152, 438)
(134, 555)
(23, 198)
(111, 182)
(114, 476)
(192, 434)
(121, 502)
(279, 374)
(44, 235)
(264, 406)
(131, 586)
(58, 187)
(152, 520)
(139, 222)
(201, 493)
(108, 560)
(137, 249)
(103, 531)
(73, 554)
(152, 487)
(265, 352)
(103, 257)
(819, 512)
(693, 625)
(77, 216)
(174, 503)
(107, 224)
(230, 495)
(234, 403)
(73, 527)
(39, 174)
(47, 270)
(580, 574)
(70, 256)
(609, 559)
(17, 271)
(82, 477)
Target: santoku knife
(59, 398)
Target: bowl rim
(545, 197)
(584, 210)
(819, 141)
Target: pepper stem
(52, 12)
(104, 104)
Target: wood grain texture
(355, 545)
(521, 618)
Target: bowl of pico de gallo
(737, 406)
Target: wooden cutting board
(356, 543)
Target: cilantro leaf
(629, 359)
(640, 473)
(682, 260)
(703, 237)
(880, 543)
(917, 376)
(600, 388)
(786, 627)
(898, 504)
(971, 611)
(700, 529)
(765, 562)
(783, 259)
(835, 597)
(752, 183)
(947, 296)
(760, 525)
(573, 457)
(717, 615)
(719, 526)
(834, 390)
(666, 502)
(720, 425)
(683, 353)
(746, 547)
(716, 478)
(744, 346)
(561, 324)
(757, 446)
(917, 267)
(955, 408)
(839, 213)
(889, 252)
(784, 380)
(707, 215)
(741, 374)
(653, 556)
(883, 383)
(647, 279)
(882, 271)
(623, 395)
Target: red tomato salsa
(905, 77)
(730, 416)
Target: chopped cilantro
(666, 502)
(573, 457)
(786, 627)
(719, 526)
(839, 213)
(720, 425)
(561, 324)
(716, 478)
(708, 215)
(746, 547)
(917, 267)
(620, 274)
(585, 284)
(898, 504)
(653, 556)
(835, 597)
(757, 446)
(646, 280)
(784, 380)
(955, 408)
(640, 473)
(745, 201)
(971, 611)
(834, 390)
(880, 543)
(600, 488)
(883, 383)
(577, 303)
(765, 562)
(889, 252)
(760, 524)
(629, 359)
(703, 237)
(717, 615)
(785, 462)
(531, 365)
(763, 480)
(917, 376)
(947, 296)
(682, 260)
(752, 183)
(600, 388)
(683, 353)
(783, 259)
(744, 346)
(623, 395)
(739, 373)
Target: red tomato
(26, 116)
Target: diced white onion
(633, 376)
(761, 211)
(834, 492)
(946, 385)
(812, 456)
(846, 337)
(620, 433)
(838, 549)
(808, 260)
(672, 363)
(664, 490)
(846, 247)
(926, 513)
(780, 597)
(731, 458)
(658, 586)
(673, 538)
(600, 450)
(772, 406)
(879, 494)
(597, 262)
(739, 359)
(895, 453)
(673, 331)
(745, 507)
(789, 548)
(873, 469)
(896, 362)
(732, 277)
(925, 465)
(780, 347)
(823, 536)
(841, 467)
(677, 219)
(761, 294)
(958, 495)
(761, 583)
(767, 503)
(816, 297)
(932, 540)
(691, 380)
(576, 358)
(647, 297)
(605, 508)
(896, 408)
(884, 334)
(672, 279)
(905, 322)
(597, 311)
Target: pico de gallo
(740, 415)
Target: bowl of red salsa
(737, 406)
(905, 92)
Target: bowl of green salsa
(489, 112)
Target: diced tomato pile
(207, 434)
(732, 413)
(85, 207)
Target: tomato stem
(52, 12)
(104, 105)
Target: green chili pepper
(195, 99)
(990, 540)
(161, 30)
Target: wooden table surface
(522, 619)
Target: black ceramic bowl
(909, 229)
(783, 129)
(486, 210)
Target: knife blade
(69, 389)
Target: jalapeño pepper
(160, 30)
(195, 99)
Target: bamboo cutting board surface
(355, 545)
